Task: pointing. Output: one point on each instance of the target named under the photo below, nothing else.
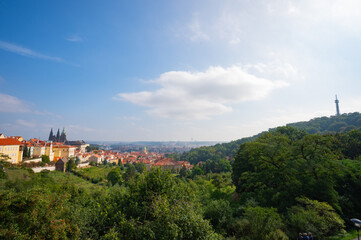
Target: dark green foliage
(322, 125)
(287, 167)
(25, 152)
(197, 171)
(91, 148)
(276, 169)
(140, 167)
(183, 172)
(285, 181)
(114, 176)
(350, 144)
(3, 164)
(219, 213)
(318, 217)
(214, 153)
(130, 172)
(45, 159)
(70, 165)
(260, 223)
(35, 214)
(157, 208)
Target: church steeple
(63, 136)
(337, 107)
(57, 136)
(51, 135)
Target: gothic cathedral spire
(51, 135)
(57, 136)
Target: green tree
(25, 152)
(183, 172)
(3, 164)
(261, 223)
(158, 208)
(45, 159)
(70, 165)
(276, 168)
(219, 213)
(35, 214)
(317, 217)
(114, 176)
(224, 165)
(140, 167)
(130, 172)
(91, 148)
(197, 171)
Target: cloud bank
(200, 95)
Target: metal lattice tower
(337, 107)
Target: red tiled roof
(9, 141)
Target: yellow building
(61, 151)
(39, 150)
(49, 150)
(11, 148)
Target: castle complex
(58, 137)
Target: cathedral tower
(63, 136)
(57, 136)
(51, 135)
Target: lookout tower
(337, 107)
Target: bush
(261, 223)
(314, 216)
(219, 213)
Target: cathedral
(58, 137)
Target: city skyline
(174, 71)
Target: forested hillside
(322, 125)
(333, 124)
(284, 182)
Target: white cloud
(10, 47)
(196, 32)
(199, 95)
(75, 38)
(274, 70)
(12, 104)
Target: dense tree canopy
(271, 186)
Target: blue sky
(175, 70)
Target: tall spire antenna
(337, 107)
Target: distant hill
(333, 124)
(321, 125)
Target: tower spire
(51, 135)
(58, 135)
(337, 107)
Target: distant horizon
(180, 141)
